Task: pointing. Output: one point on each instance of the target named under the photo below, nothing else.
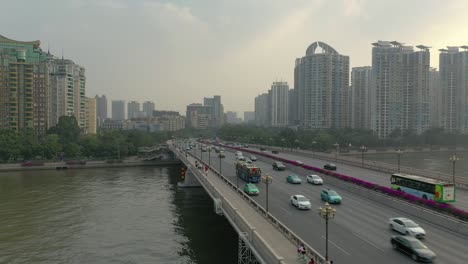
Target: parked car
(278, 166)
(330, 166)
(314, 179)
(251, 189)
(253, 158)
(406, 227)
(300, 201)
(293, 178)
(330, 196)
(413, 247)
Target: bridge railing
(288, 233)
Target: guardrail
(289, 234)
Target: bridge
(358, 234)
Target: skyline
(159, 50)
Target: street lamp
(399, 152)
(363, 149)
(220, 157)
(313, 147)
(337, 149)
(326, 212)
(267, 179)
(453, 159)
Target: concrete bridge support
(245, 255)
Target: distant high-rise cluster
(398, 94)
(210, 114)
(38, 88)
(272, 108)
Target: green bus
(422, 187)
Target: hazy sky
(177, 52)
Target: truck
(248, 172)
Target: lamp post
(363, 149)
(337, 149)
(453, 159)
(326, 212)
(220, 157)
(399, 152)
(313, 148)
(267, 179)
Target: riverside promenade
(60, 165)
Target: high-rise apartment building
(217, 110)
(24, 83)
(101, 109)
(292, 108)
(148, 108)
(262, 112)
(231, 118)
(91, 119)
(199, 116)
(319, 81)
(401, 79)
(118, 110)
(249, 117)
(133, 109)
(67, 85)
(278, 96)
(435, 98)
(361, 98)
(453, 67)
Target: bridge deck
(271, 236)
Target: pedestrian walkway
(270, 235)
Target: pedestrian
(300, 249)
(206, 169)
(311, 261)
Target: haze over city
(177, 52)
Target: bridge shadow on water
(211, 239)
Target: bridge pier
(245, 255)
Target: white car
(248, 161)
(300, 201)
(299, 162)
(314, 179)
(407, 227)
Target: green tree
(67, 129)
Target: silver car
(407, 227)
(300, 201)
(314, 179)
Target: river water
(129, 215)
(433, 161)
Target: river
(433, 161)
(124, 215)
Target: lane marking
(331, 242)
(372, 244)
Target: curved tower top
(34, 43)
(325, 47)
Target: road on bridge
(358, 234)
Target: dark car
(274, 152)
(278, 166)
(413, 247)
(330, 166)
